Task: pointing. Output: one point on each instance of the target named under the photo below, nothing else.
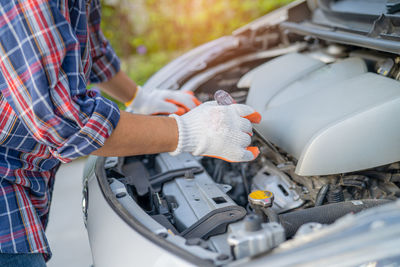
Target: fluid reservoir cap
(259, 198)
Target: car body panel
(112, 240)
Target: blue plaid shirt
(50, 50)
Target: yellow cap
(260, 194)
(261, 198)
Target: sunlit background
(146, 34)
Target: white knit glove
(218, 131)
(162, 102)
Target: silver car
(323, 192)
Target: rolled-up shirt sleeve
(43, 80)
(105, 61)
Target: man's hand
(218, 131)
(162, 102)
(148, 102)
(209, 130)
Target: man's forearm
(139, 134)
(136, 134)
(120, 87)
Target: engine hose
(271, 215)
(325, 214)
(335, 195)
(319, 200)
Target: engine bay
(228, 211)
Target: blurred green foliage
(146, 34)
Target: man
(50, 50)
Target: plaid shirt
(50, 50)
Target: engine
(319, 138)
(329, 143)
